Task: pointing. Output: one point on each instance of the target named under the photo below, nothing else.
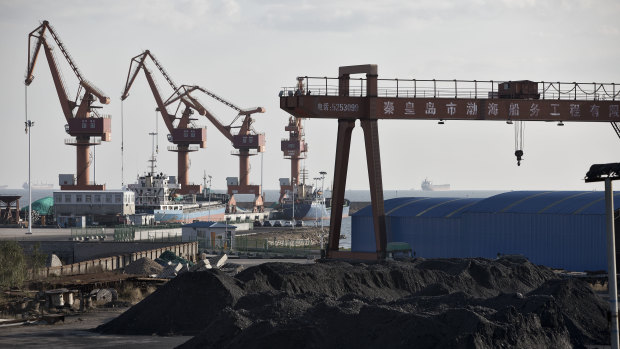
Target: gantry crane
(244, 141)
(415, 99)
(85, 124)
(182, 133)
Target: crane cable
(122, 147)
(519, 130)
(26, 107)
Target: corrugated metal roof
(544, 202)
(422, 207)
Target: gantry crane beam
(368, 105)
(181, 134)
(80, 124)
(244, 140)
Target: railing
(189, 148)
(414, 88)
(91, 141)
(150, 232)
(291, 247)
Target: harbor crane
(185, 137)
(85, 124)
(246, 141)
(370, 99)
(294, 148)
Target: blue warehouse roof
(544, 202)
(423, 207)
(527, 202)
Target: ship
(155, 193)
(429, 186)
(306, 203)
(38, 186)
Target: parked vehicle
(266, 224)
(288, 224)
(299, 223)
(277, 224)
(257, 224)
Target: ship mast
(153, 159)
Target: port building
(558, 229)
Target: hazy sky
(247, 50)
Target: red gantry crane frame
(182, 135)
(412, 99)
(85, 122)
(244, 141)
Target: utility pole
(294, 190)
(209, 198)
(608, 173)
(29, 124)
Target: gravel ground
(76, 332)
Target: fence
(302, 247)
(171, 232)
(186, 250)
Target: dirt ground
(75, 332)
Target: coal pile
(143, 266)
(452, 303)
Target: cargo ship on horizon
(429, 186)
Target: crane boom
(181, 134)
(80, 124)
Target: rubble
(143, 266)
(53, 261)
(476, 303)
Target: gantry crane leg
(373, 160)
(343, 147)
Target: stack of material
(143, 266)
(53, 261)
(172, 270)
(202, 265)
(168, 258)
(219, 261)
(442, 303)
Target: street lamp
(294, 190)
(29, 124)
(609, 173)
(209, 198)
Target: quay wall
(186, 250)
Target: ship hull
(309, 212)
(188, 216)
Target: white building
(99, 206)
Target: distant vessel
(310, 204)
(38, 186)
(156, 194)
(429, 186)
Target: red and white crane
(183, 134)
(85, 124)
(246, 141)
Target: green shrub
(12, 264)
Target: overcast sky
(247, 50)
